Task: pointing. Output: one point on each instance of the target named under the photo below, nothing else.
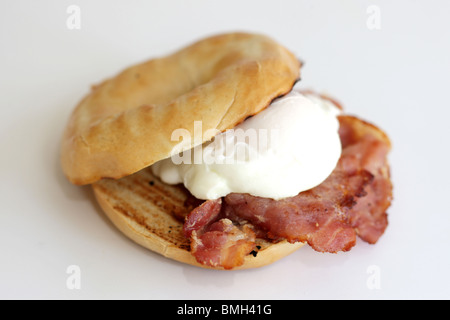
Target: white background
(397, 77)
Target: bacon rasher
(216, 240)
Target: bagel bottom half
(144, 209)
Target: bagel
(125, 125)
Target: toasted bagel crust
(126, 123)
(141, 207)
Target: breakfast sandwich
(215, 156)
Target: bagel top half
(125, 123)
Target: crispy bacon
(351, 201)
(317, 216)
(368, 217)
(216, 241)
(201, 217)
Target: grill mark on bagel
(142, 211)
(164, 200)
(172, 199)
(119, 204)
(138, 184)
(157, 185)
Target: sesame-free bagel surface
(126, 122)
